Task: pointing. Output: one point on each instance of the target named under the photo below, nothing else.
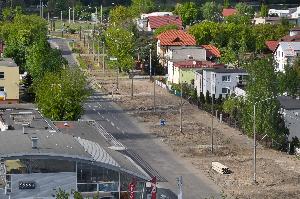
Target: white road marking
(112, 124)
(89, 106)
(94, 109)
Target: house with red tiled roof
(271, 45)
(286, 49)
(155, 22)
(172, 38)
(228, 12)
(212, 52)
(184, 71)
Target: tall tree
(20, 34)
(264, 10)
(262, 90)
(120, 44)
(59, 96)
(142, 6)
(189, 12)
(211, 11)
(119, 15)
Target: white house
(290, 107)
(219, 81)
(296, 14)
(285, 53)
(279, 13)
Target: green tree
(204, 32)
(142, 6)
(77, 195)
(20, 34)
(162, 29)
(120, 44)
(262, 84)
(59, 96)
(226, 4)
(119, 15)
(62, 194)
(189, 12)
(264, 10)
(211, 11)
(244, 9)
(289, 81)
(41, 58)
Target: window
(1, 88)
(225, 90)
(226, 78)
(1, 75)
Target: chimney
(34, 142)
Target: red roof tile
(211, 51)
(229, 11)
(271, 45)
(197, 64)
(289, 38)
(158, 21)
(176, 38)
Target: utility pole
(61, 15)
(181, 102)
(70, 15)
(154, 102)
(103, 57)
(254, 144)
(117, 78)
(80, 33)
(212, 123)
(98, 54)
(42, 9)
(101, 14)
(131, 83)
(48, 17)
(73, 15)
(150, 57)
(93, 41)
(96, 14)
(83, 39)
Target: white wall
(213, 82)
(282, 59)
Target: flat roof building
(37, 158)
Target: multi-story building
(219, 81)
(9, 81)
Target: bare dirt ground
(278, 174)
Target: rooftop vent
(34, 142)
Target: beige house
(9, 81)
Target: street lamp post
(212, 123)
(70, 15)
(73, 15)
(96, 15)
(254, 137)
(150, 60)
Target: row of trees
(58, 91)
(263, 87)
(236, 39)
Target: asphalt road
(147, 151)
